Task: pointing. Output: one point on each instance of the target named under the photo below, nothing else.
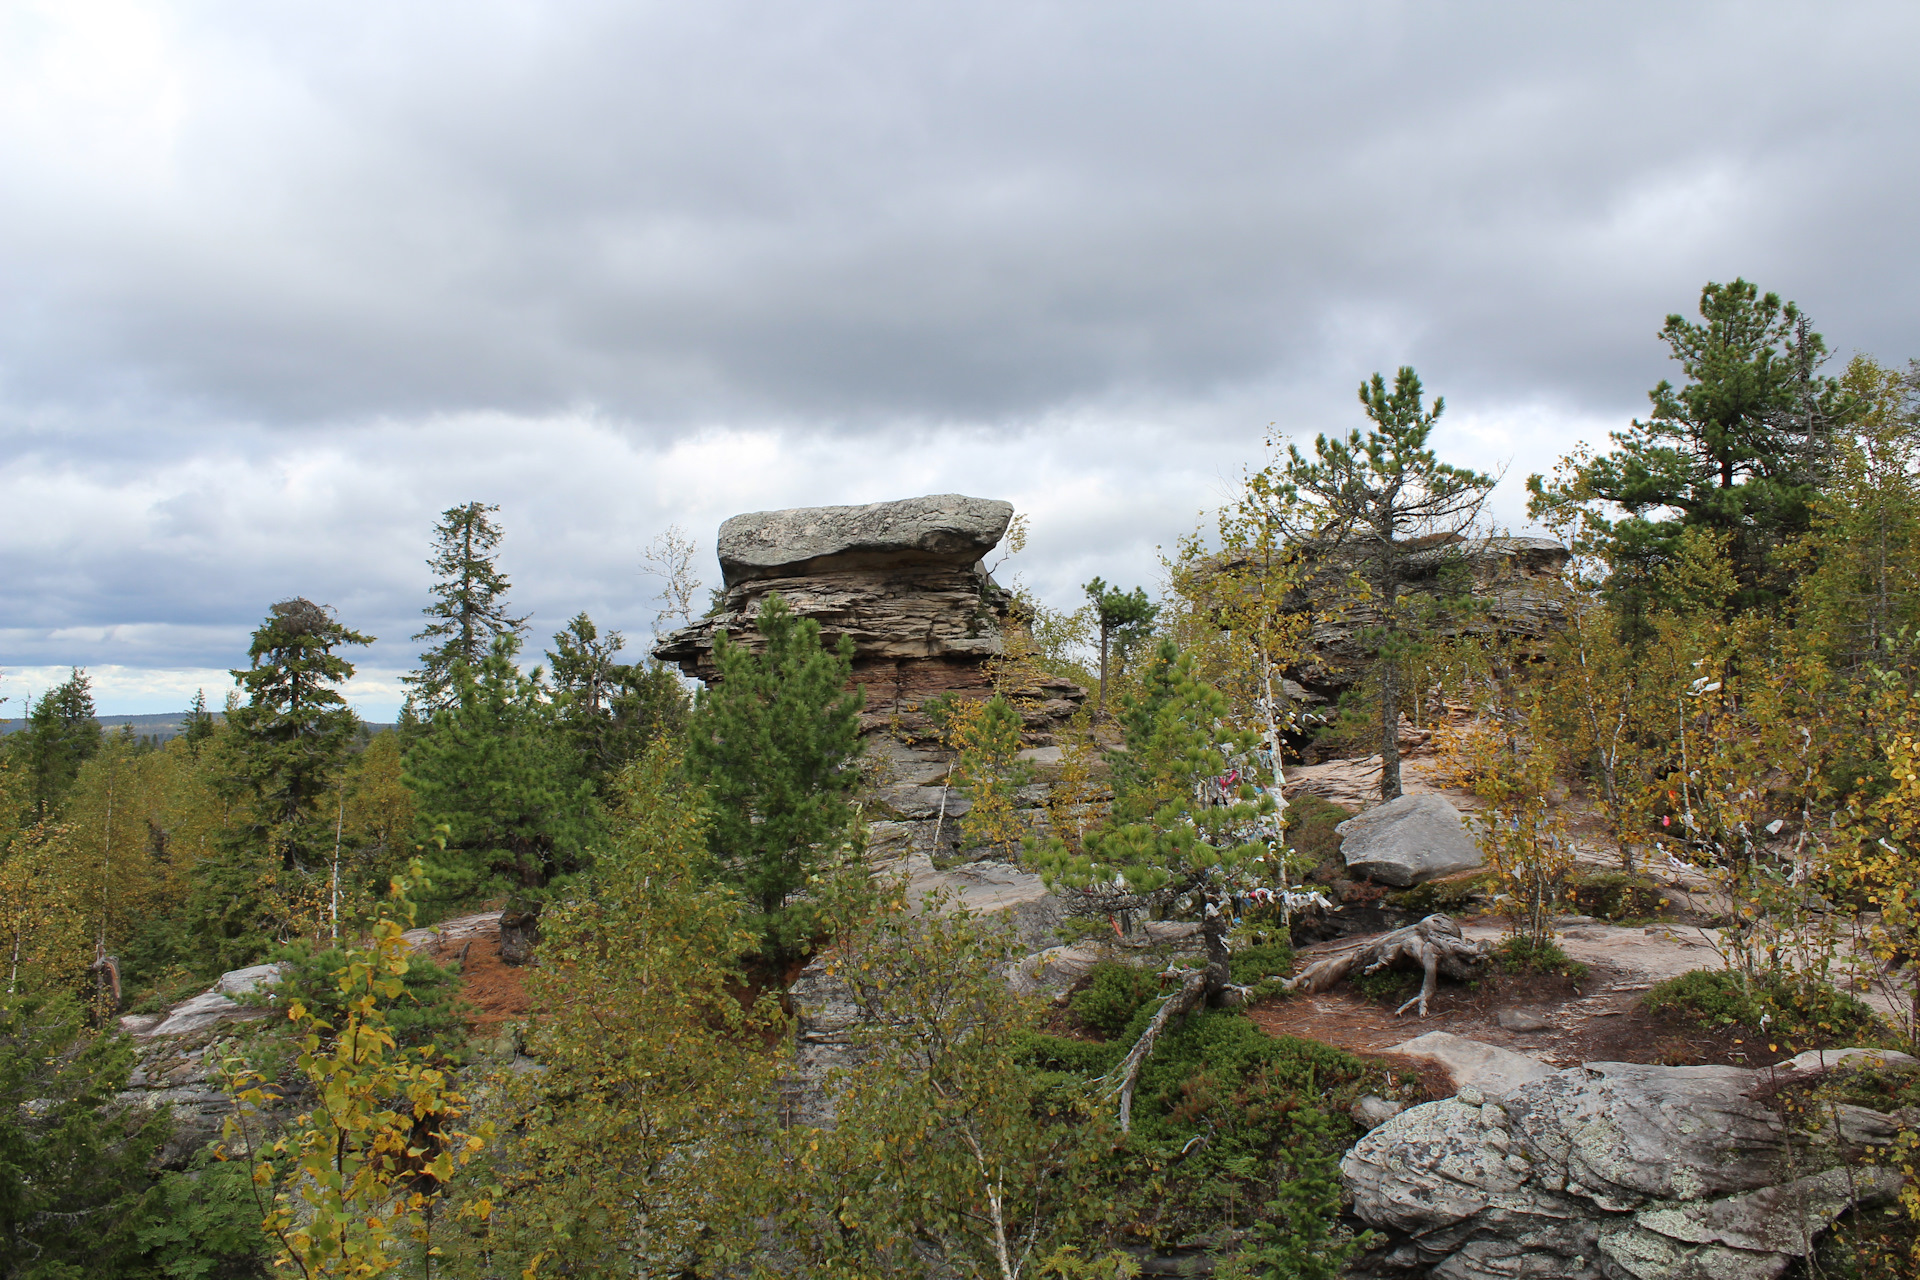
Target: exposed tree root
(1433, 946)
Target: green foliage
(1616, 895)
(61, 734)
(292, 738)
(774, 744)
(202, 1223)
(469, 608)
(1113, 994)
(1161, 837)
(1310, 831)
(611, 710)
(354, 1182)
(426, 1010)
(68, 1152)
(496, 770)
(1518, 953)
(1262, 960)
(1124, 620)
(641, 1146)
(1732, 452)
(1792, 1008)
(944, 1158)
(984, 735)
(1372, 501)
(1384, 986)
(1237, 1143)
(1451, 897)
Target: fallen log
(1433, 946)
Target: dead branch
(1198, 987)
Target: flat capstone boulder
(948, 529)
(1408, 841)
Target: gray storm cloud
(281, 284)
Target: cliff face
(1515, 585)
(904, 580)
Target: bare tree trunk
(1388, 660)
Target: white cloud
(285, 282)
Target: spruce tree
(198, 726)
(469, 609)
(612, 710)
(61, 735)
(294, 733)
(774, 742)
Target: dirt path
(1597, 1019)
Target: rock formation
(905, 580)
(1612, 1171)
(1515, 582)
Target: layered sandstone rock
(1516, 584)
(906, 581)
(1614, 1171)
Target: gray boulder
(940, 529)
(1407, 841)
(1494, 1071)
(1611, 1171)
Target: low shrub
(1250, 965)
(1792, 1007)
(1456, 895)
(427, 1011)
(1524, 955)
(1113, 994)
(1310, 832)
(1616, 895)
(1385, 986)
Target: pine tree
(293, 736)
(1187, 811)
(469, 609)
(774, 743)
(61, 735)
(495, 769)
(1737, 450)
(1124, 618)
(1375, 501)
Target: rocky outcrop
(1407, 841)
(1516, 585)
(1611, 1171)
(905, 581)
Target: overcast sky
(279, 282)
